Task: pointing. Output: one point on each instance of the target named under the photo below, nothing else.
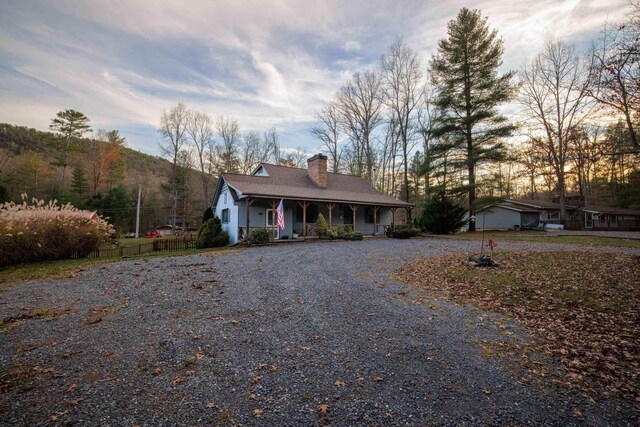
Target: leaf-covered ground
(583, 307)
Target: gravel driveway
(294, 334)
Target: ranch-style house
(248, 202)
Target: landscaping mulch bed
(583, 307)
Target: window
(368, 215)
(225, 216)
(225, 197)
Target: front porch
(300, 217)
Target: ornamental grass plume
(46, 231)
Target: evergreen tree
(79, 185)
(441, 215)
(469, 92)
(208, 214)
(118, 206)
(211, 235)
(70, 124)
(322, 228)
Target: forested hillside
(99, 173)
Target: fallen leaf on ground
(257, 413)
(323, 408)
(339, 383)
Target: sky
(269, 63)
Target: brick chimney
(317, 170)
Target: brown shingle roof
(293, 183)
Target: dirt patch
(582, 307)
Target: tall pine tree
(468, 93)
(70, 124)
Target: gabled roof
(293, 183)
(539, 204)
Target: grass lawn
(581, 307)
(534, 236)
(67, 268)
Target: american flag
(281, 215)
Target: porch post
(247, 207)
(274, 206)
(375, 213)
(330, 207)
(304, 205)
(353, 210)
(393, 218)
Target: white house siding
(497, 218)
(230, 227)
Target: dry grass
(582, 307)
(536, 236)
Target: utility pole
(138, 213)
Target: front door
(588, 220)
(272, 222)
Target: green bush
(257, 237)
(321, 226)
(211, 235)
(47, 232)
(208, 214)
(441, 215)
(403, 231)
(353, 235)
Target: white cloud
(268, 63)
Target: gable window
(225, 197)
(225, 216)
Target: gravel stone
(264, 336)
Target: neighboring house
(248, 202)
(524, 213)
(165, 230)
(504, 216)
(604, 218)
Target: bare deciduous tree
(554, 93)
(173, 128)
(271, 147)
(229, 132)
(360, 104)
(401, 79)
(328, 131)
(615, 73)
(200, 132)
